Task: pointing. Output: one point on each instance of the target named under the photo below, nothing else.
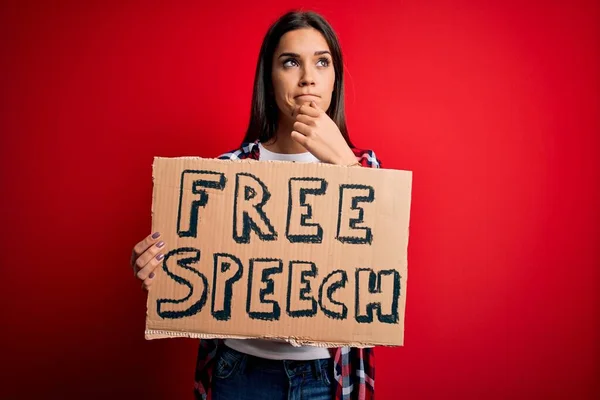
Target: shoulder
(246, 150)
(367, 158)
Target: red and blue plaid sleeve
(354, 373)
(207, 350)
(367, 158)
(246, 150)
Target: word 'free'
(251, 195)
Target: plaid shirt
(354, 367)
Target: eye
(289, 60)
(325, 61)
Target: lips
(312, 96)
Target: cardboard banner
(310, 253)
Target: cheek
(283, 93)
(331, 80)
(326, 102)
(328, 93)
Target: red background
(494, 105)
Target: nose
(307, 78)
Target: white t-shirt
(279, 349)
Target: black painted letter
(251, 194)
(350, 224)
(298, 229)
(184, 275)
(341, 311)
(300, 288)
(230, 268)
(258, 273)
(373, 299)
(196, 182)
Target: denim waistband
(291, 368)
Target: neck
(283, 142)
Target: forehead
(303, 41)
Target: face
(302, 71)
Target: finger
(308, 110)
(302, 128)
(314, 105)
(306, 119)
(142, 246)
(300, 138)
(147, 282)
(148, 271)
(148, 255)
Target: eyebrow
(317, 53)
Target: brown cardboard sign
(311, 253)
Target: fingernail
(160, 244)
(151, 275)
(155, 235)
(160, 257)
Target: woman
(297, 115)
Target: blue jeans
(240, 376)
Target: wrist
(346, 159)
(348, 162)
